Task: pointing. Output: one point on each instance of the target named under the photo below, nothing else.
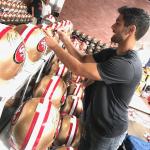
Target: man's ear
(132, 29)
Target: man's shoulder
(104, 55)
(133, 58)
(131, 54)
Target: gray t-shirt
(110, 97)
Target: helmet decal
(19, 55)
(42, 46)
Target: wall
(95, 17)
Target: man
(57, 6)
(53, 7)
(37, 10)
(116, 73)
(46, 8)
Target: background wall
(95, 17)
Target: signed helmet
(12, 52)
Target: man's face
(119, 30)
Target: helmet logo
(42, 46)
(19, 55)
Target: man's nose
(113, 27)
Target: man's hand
(63, 36)
(51, 42)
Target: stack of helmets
(14, 12)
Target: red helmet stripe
(23, 29)
(25, 142)
(4, 31)
(71, 125)
(29, 33)
(42, 126)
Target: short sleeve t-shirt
(111, 95)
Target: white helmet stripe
(77, 89)
(73, 125)
(75, 103)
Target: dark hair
(137, 17)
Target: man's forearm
(87, 69)
(72, 50)
(67, 59)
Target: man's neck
(124, 47)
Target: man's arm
(73, 51)
(86, 69)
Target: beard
(116, 38)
